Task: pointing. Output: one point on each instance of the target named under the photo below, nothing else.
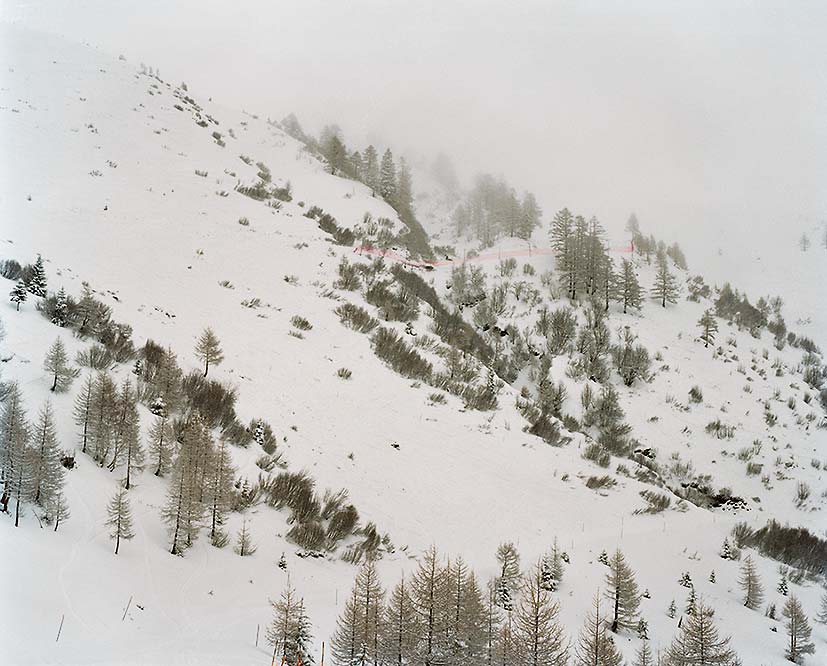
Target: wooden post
(322, 661)
(60, 628)
(257, 635)
(127, 608)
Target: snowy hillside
(150, 194)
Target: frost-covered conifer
(119, 518)
(751, 584)
(537, 632)
(57, 365)
(622, 592)
(798, 630)
(18, 294)
(208, 349)
(46, 472)
(244, 545)
(699, 643)
(595, 646)
(665, 288)
(37, 278)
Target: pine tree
(57, 365)
(751, 584)
(493, 620)
(168, 382)
(59, 509)
(699, 644)
(427, 594)
(18, 294)
(404, 189)
(120, 518)
(783, 588)
(104, 409)
(345, 645)
(665, 289)
(537, 633)
(37, 278)
(46, 472)
(623, 593)
(399, 628)
(61, 309)
(127, 449)
(471, 631)
(82, 412)
(219, 493)
(726, 550)
(603, 558)
(691, 602)
(302, 639)
(208, 349)
(244, 545)
(161, 444)
(183, 510)
(14, 455)
(822, 612)
(628, 288)
(712, 576)
(594, 646)
(672, 610)
(643, 629)
(530, 215)
(709, 327)
(798, 630)
(387, 177)
(509, 561)
(644, 657)
(685, 580)
(372, 169)
(282, 631)
(561, 234)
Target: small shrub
(597, 454)
(96, 357)
(244, 222)
(656, 502)
(696, 395)
(301, 323)
(356, 317)
(344, 373)
(598, 482)
(388, 346)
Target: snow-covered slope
(102, 182)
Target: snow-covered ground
(100, 178)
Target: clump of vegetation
(344, 373)
(388, 346)
(696, 395)
(301, 323)
(356, 317)
(599, 482)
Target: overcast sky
(694, 114)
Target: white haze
(707, 119)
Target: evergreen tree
(530, 215)
(168, 382)
(726, 550)
(665, 289)
(161, 444)
(594, 646)
(46, 473)
(59, 509)
(18, 294)
(387, 177)
(712, 576)
(37, 278)
(57, 365)
(82, 412)
(61, 310)
(699, 644)
(288, 631)
(427, 594)
(244, 545)
(120, 518)
(798, 630)
(628, 289)
(208, 349)
(184, 510)
(822, 612)
(783, 588)
(345, 646)
(672, 610)
(709, 327)
(404, 189)
(219, 494)
(104, 409)
(644, 657)
(751, 584)
(561, 233)
(691, 602)
(509, 561)
(399, 628)
(537, 633)
(372, 169)
(127, 449)
(623, 593)
(14, 455)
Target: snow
(154, 239)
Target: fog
(698, 116)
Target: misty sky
(694, 114)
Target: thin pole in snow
(322, 661)
(60, 628)
(256, 635)
(127, 608)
